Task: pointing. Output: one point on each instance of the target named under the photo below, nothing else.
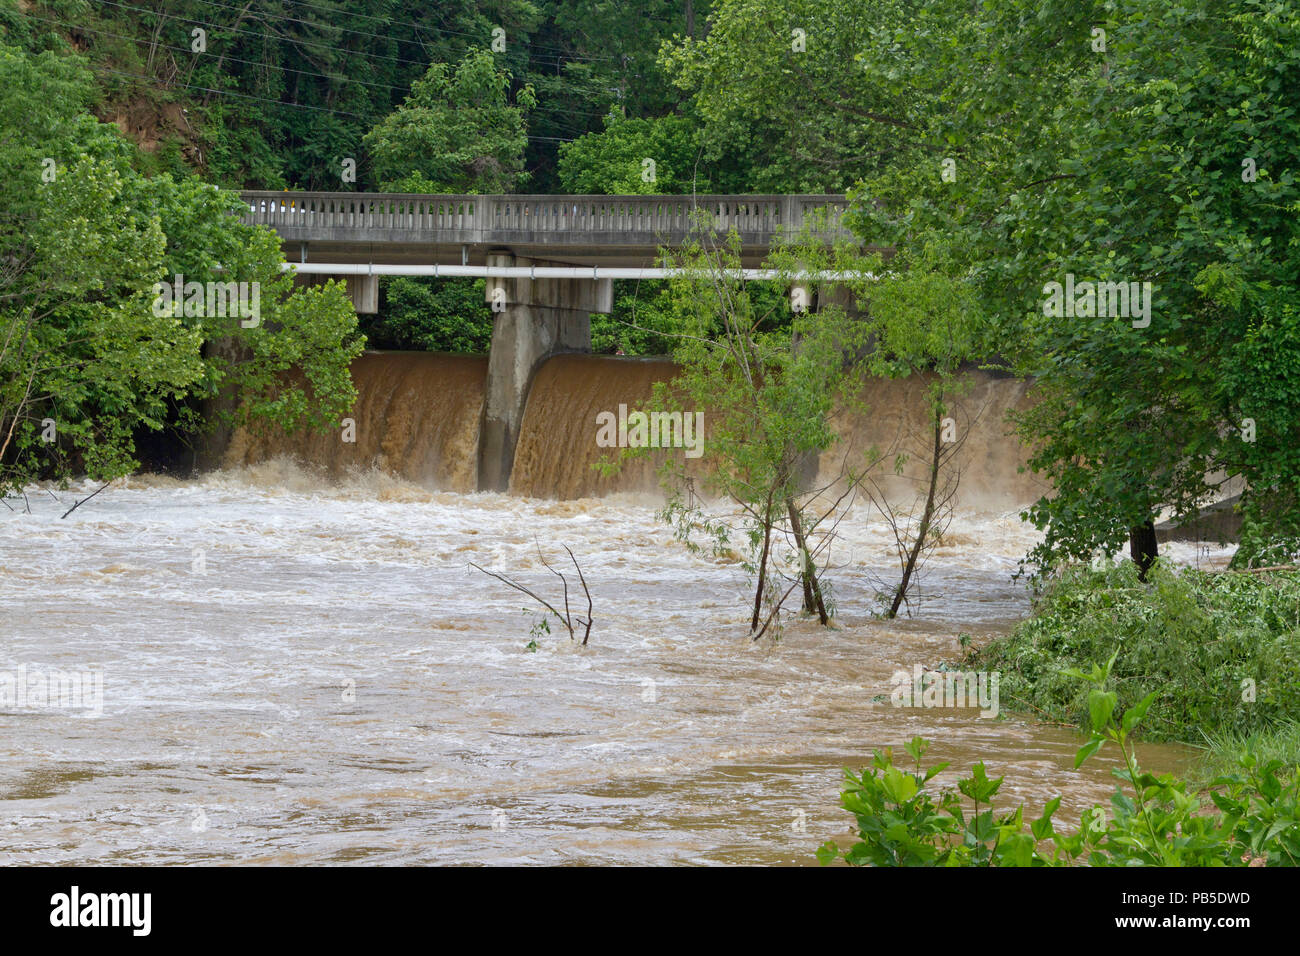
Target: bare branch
(85, 499)
(567, 618)
(519, 587)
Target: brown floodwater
(298, 664)
(296, 671)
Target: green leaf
(1087, 750)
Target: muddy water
(418, 413)
(416, 417)
(304, 671)
(557, 439)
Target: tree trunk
(812, 589)
(923, 531)
(1143, 547)
(762, 566)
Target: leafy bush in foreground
(1155, 823)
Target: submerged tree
(569, 619)
(923, 323)
(766, 390)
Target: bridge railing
(636, 217)
(363, 210)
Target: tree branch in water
(567, 618)
(85, 499)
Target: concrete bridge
(548, 261)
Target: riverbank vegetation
(1206, 658)
(1220, 650)
(89, 361)
(1248, 817)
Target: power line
(415, 26)
(400, 89)
(233, 59)
(324, 76)
(242, 96)
(263, 35)
(280, 103)
(273, 16)
(282, 17)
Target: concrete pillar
(533, 319)
(362, 290)
(800, 297)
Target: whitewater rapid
(304, 669)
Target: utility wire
(261, 65)
(233, 59)
(389, 21)
(288, 19)
(324, 76)
(263, 34)
(280, 103)
(242, 96)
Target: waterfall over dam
(418, 417)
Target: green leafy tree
(458, 132)
(804, 94)
(88, 359)
(432, 315)
(766, 390)
(642, 322)
(633, 157)
(1120, 155)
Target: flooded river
(299, 670)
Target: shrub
(1221, 650)
(1157, 822)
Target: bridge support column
(533, 320)
(362, 290)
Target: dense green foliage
(458, 132)
(1220, 650)
(633, 156)
(1154, 822)
(87, 359)
(1124, 142)
(430, 315)
(905, 821)
(284, 90)
(784, 88)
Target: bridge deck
(626, 231)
